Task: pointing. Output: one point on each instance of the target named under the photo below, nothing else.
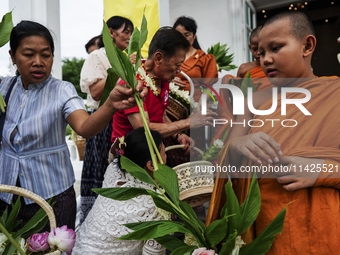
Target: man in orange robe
(309, 150)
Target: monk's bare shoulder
(245, 67)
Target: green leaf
(142, 39)
(161, 203)
(232, 207)
(4, 217)
(133, 44)
(157, 229)
(170, 242)
(13, 215)
(121, 193)
(185, 250)
(264, 241)
(112, 54)
(33, 223)
(128, 67)
(167, 179)
(41, 224)
(216, 231)
(191, 214)
(6, 27)
(110, 83)
(246, 83)
(250, 208)
(136, 171)
(147, 224)
(229, 245)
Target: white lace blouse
(104, 222)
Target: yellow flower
(196, 56)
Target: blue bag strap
(3, 115)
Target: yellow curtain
(133, 10)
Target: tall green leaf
(112, 54)
(6, 27)
(250, 208)
(191, 214)
(185, 250)
(147, 224)
(232, 207)
(110, 83)
(133, 44)
(161, 203)
(170, 242)
(154, 230)
(167, 179)
(264, 241)
(121, 193)
(33, 223)
(10, 222)
(129, 69)
(216, 231)
(136, 171)
(229, 245)
(142, 39)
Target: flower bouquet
(27, 240)
(212, 152)
(221, 236)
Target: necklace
(147, 80)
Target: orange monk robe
(199, 65)
(312, 222)
(224, 111)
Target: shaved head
(255, 32)
(300, 24)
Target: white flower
(3, 238)
(238, 244)
(63, 238)
(23, 244)
(149, 81)
(218, 143)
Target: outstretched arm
(120, 98)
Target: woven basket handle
(180, 146)
(192, 87)
(34, 197)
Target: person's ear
(113, 33)
(309, 45)
(149, 165)
(12, 57)
(249, 47)
(158, 58)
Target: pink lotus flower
(63, 238)
(203, 251)
(38, 242)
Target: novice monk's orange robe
(312, 222)
(224, 111)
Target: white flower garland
(174, 89)
(149, 82)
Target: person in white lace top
(104, 222)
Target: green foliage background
(71, 72)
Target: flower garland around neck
(147, 80)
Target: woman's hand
(122, 96)
(186, 141)
(179, 82)
(257, 146)
(199, 120)
(299, 172)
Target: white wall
(45, 12)
(218, 21)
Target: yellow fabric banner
(133, 10)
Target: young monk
(253, 67)
(286, 44)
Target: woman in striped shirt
(33, 151)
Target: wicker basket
(195, 186)
(81, 148)
(175, 109)
(37, 199)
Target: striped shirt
(38, 154)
